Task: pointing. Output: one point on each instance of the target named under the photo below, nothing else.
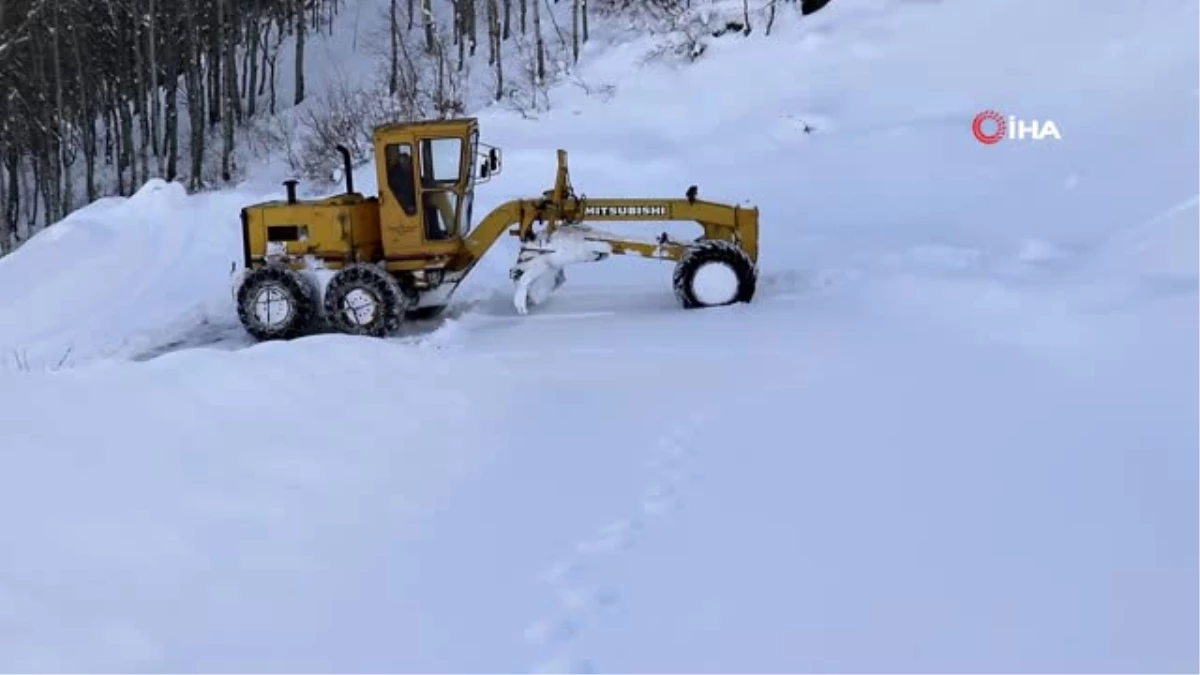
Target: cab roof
(455, 126)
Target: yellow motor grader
(401, 254)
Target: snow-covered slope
(957, 430)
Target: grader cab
(401, 254)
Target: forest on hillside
(102, 95)
(97, 89)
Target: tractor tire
(276, 303)
(365, 300)
(714, 273)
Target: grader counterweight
(402, 253)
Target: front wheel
(714, 273)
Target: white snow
(551, 254)
(956, 430)
(715, 283)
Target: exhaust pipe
(346, 168)
(290, 185)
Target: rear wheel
(276, 303)
(714, 273)
(365, 300)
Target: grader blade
(538, 271)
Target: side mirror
(484, 170)
(493, 159)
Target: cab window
(441, 209)
(464, 214)
(400, 176)
(441, 160)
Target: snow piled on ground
(119, 276)
(956, 431)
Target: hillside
(104, 97)
(956, 429)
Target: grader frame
(402, 253)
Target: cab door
(400, 215)
(422, 205)
(441, 187)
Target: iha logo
(990, 127)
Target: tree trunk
(174, 58)
(140, 95)
(460, 32)
(5, 228)
(108, 112)
(228, 90)
(494, 39)
(575, 30)
(213, 65)
(427, 21)
(155, 89)
(63, 185)
(12, 209)
(31, 209)
(252, 50)
(127, 154)
(300, 31)
(540, 47)
(265, 43)
(171, 131)
(195, 97)
(394, 39)
(472, 27)
(271, 68)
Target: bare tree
(540, 45)
(495, 45)
(300, 36)
(92, 89)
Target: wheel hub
(361, 307)
(273, 306)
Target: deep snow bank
(119, 276)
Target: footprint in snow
(565, 666)
(579, 600)
(611, 537)
(561, 571)
(578, 603)
(659, 500)
(550, 632)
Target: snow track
(491, 312)
(578, 582)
